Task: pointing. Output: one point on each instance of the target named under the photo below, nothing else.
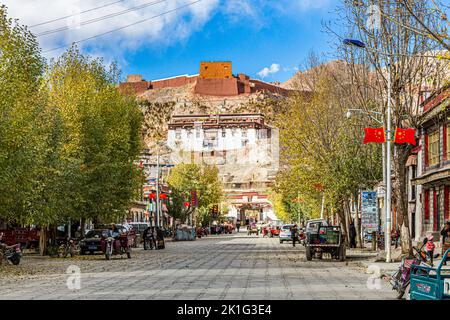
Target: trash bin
(185, 234)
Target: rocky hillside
(158, 106)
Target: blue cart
(430, 283)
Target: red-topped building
(430, 166)
(214, 79)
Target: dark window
(413, 187)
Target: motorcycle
(70, 246)
(149, 242)
(12, 253)
(400, 279)
(113, 246)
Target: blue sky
(264, 39)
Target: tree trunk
(347, 221)
(83, 223)
(402, 199)
(43, 240)
(341, 217)
(357, 223)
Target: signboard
(369, 211)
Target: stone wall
(217, 87)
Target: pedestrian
(294, 234)
(238, 225)
(352, 234)
(430, 248)
(445, 233)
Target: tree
(23, 125)
(99, 137)
(321, 150)
(410, 57)
(432, 21)
(183, 179)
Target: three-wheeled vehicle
(429, 283)
(322, 238)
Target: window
(433, 148)
(426, 205)
(197, 133)
(178, 134)
(413, 187)
(447, 141)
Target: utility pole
(157, 188)
(387, 243)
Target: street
(216, 267)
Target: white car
(285, 232)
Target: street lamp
(388, 193)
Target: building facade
(244, 149)
(430, 166)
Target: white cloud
(160, 31)
(274, 68)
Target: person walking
(294, 234)
(352, 234)
(238, 225)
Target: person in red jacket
(430, 248)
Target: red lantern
(186, 204)
(152, 196)
(163, 196)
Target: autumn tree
(186, 177)
(322, 150)
(23, 123)
(99, 137)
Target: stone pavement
(221, 267)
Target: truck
(323, 238)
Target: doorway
(438, 213)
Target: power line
(72, 15)
(121, 28)
(108, 16)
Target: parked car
(285, 233)
(92, 242)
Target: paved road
(224, 267)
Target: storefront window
(433, 148)
(447, 140)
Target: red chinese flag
(407, 135)
(186, 204)
(376, 135)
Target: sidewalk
(388, 267)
